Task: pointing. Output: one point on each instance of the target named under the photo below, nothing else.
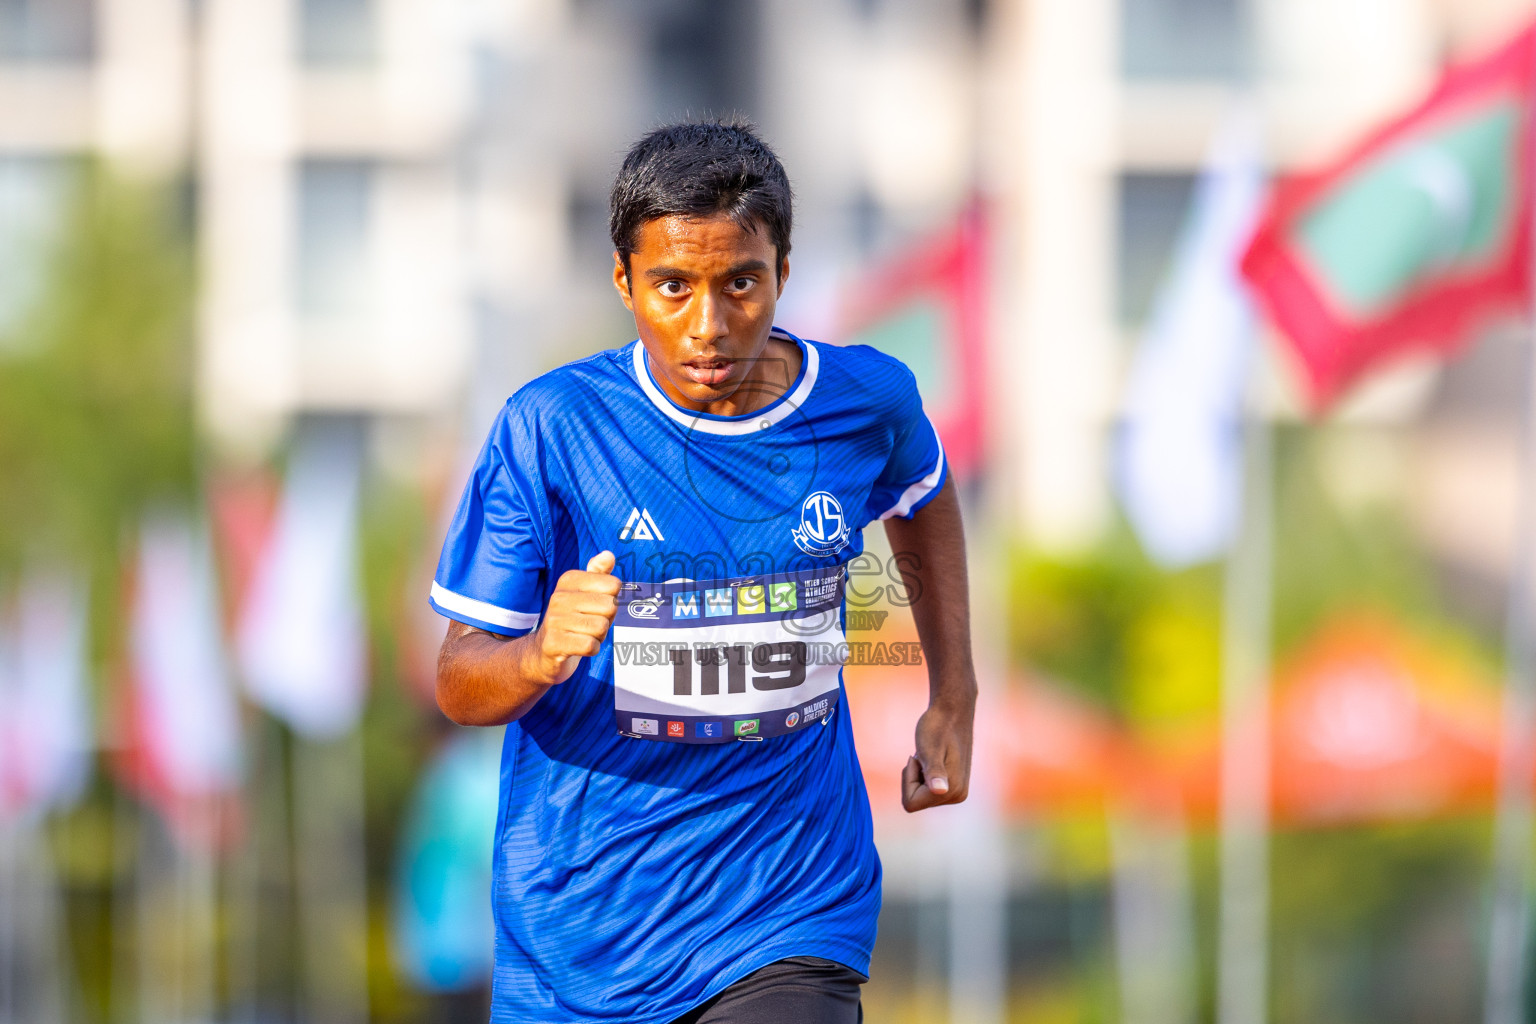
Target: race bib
(717, 660)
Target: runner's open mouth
(707, 371)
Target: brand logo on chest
(640, 526)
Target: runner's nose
(708, 323)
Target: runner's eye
(741, 284)
(671, 289)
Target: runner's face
(703, 291)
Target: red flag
(1415, 237)
(928, 308)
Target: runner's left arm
(929, 549)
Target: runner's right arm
(487, 679)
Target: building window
(337, 33)
(48, 30)
(335, 199)
(1183, 38)
(1151, 216)
(33, 194)
(701, 55)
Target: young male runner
(683, 831)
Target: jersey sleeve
(496, 556)
(916, 469)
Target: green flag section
(1416, 237)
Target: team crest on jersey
(823, 528)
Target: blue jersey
(688, 806)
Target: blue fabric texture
(632, 879)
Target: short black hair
(699, 169)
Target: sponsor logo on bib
(781, 597)
(749, 599)
(646, 609)
(718, 602)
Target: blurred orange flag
(1370, 723)
(1050, 751)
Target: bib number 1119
(779, 666)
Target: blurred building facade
(1114, 103)
(401, 204)
(388, 193)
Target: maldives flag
(1417, 236)
(927, 307)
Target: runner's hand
(580, 611)
(940, 771)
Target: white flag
(187, 714)
(45, 718)
(1179, 460)
(302, 637)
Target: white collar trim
(734, 426)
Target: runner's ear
(621, 282)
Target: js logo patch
(823, 528)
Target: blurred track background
(269, 267)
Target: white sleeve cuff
(450, 602)
(920, 490)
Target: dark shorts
(803, 989)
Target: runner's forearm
(929, 549)
(485, 679)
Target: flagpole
(150, 898)
(58, 995)
(124, 912)
(244, 945)
(331, 865)
(1242, 978)
(10, 900)
(1510, 916)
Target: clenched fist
(580, 611)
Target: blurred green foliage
(1379, 923)
(1329, 557)
(1141, 642)
(96, 415)
(1146, 643)
(97, 426)
(1368, 923)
